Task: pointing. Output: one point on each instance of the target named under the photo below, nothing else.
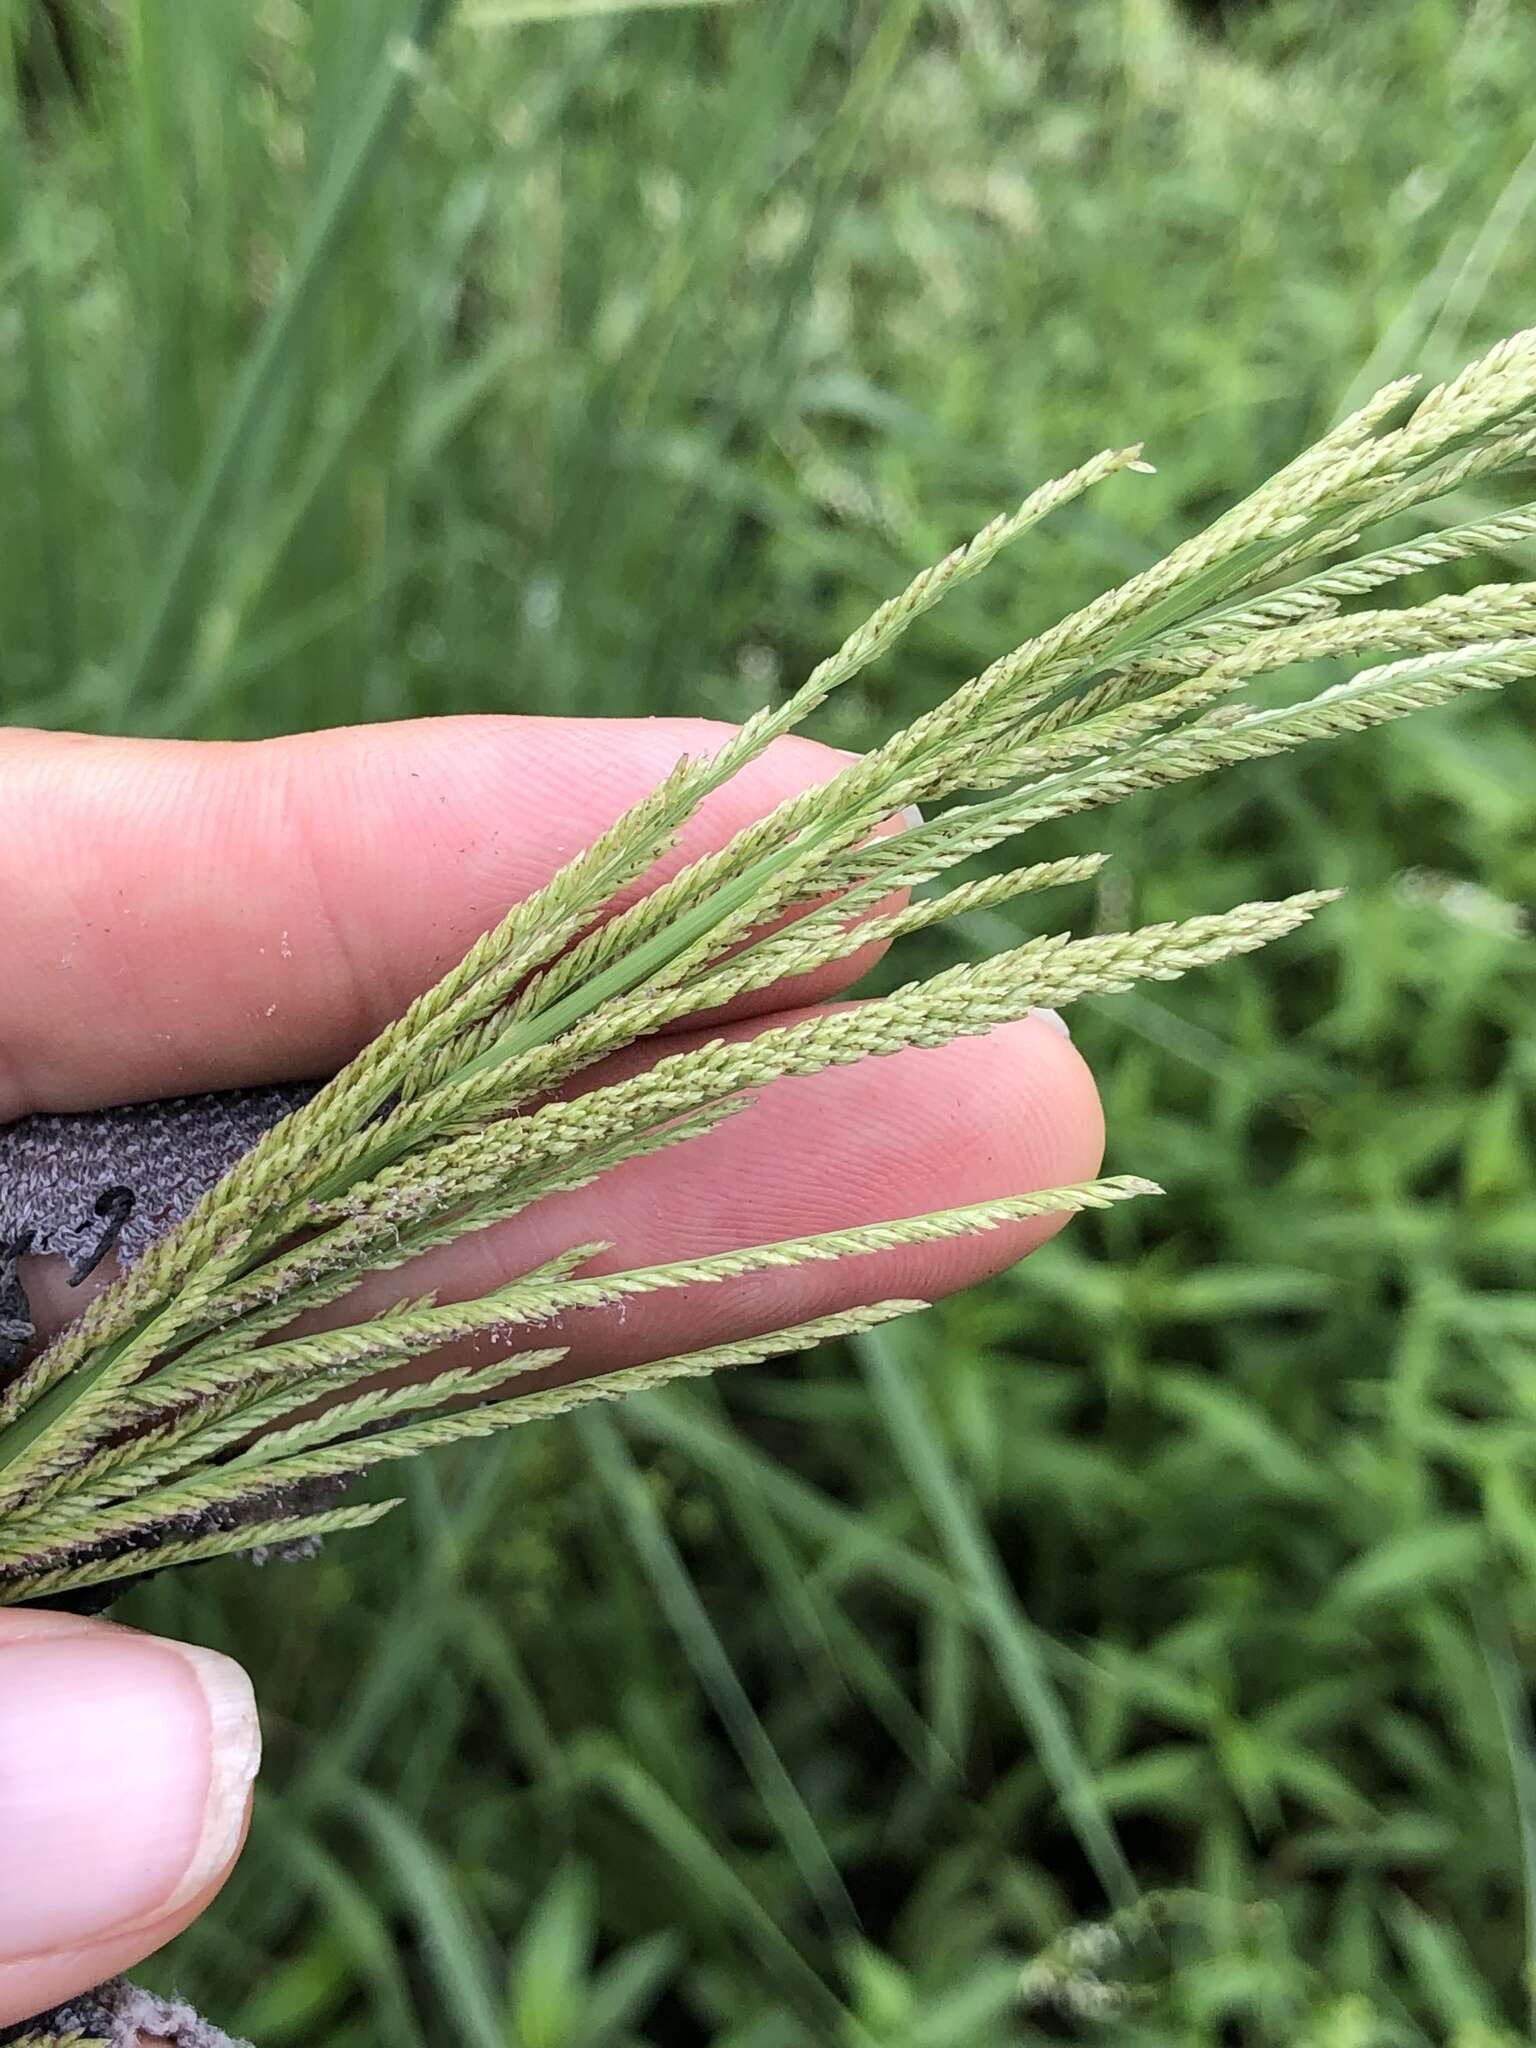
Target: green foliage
(656, 344)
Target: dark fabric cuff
(126, 1175)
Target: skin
(184, 917)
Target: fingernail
(912, 817)
(1055, 1019)
(125, 1770)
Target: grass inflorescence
(177, 1419)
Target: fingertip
(907, 1134)
(126, 1771)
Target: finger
(897, 1136)
(182, 917)
(126, 1766)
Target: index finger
(183, 916)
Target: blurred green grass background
(601, 362)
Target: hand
(187, 917)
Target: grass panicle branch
(191, 1412)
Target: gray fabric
(16, 1331)
(117, 2014)
(117, 1179)
(55, 1170)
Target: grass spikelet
(191, 1413)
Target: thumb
(126, 1765)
